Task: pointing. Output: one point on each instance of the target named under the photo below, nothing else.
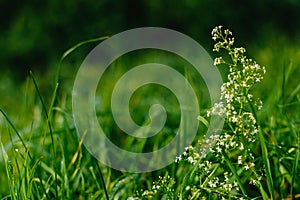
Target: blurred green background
(35, 34)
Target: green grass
(43, 158)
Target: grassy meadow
(42, 156)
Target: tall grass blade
(297, 157)
(266, 164)
(8, 171)
(102, 179)
(234, 172)
(49, 124)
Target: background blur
(34, 34)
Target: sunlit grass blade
(203, 120)
(75, 156)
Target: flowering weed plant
(254, 156)
(229, 168)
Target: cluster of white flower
(217, 109)
(163, 185)
(226, 41)
(217, 172)
(236, 107)
(236, 94)
(189, 154)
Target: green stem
(233, 170)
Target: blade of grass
(69, 51)
(8, 171)
(185, 180)
(265, 157)
(22, 181)
(32, 178)
(233, 170)
(123, 181)
(50, 170)
(16, 131)
(287, 68)
(102, 179)
(65, 184)
(203, 120)
(75, 156)
(296, 136)
(283, 84)
(49, 124)
(296, 160)
(210, 176)
(91, 169)
(266, 164)
(263, 192)
(294, 93)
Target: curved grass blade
(69, 51)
